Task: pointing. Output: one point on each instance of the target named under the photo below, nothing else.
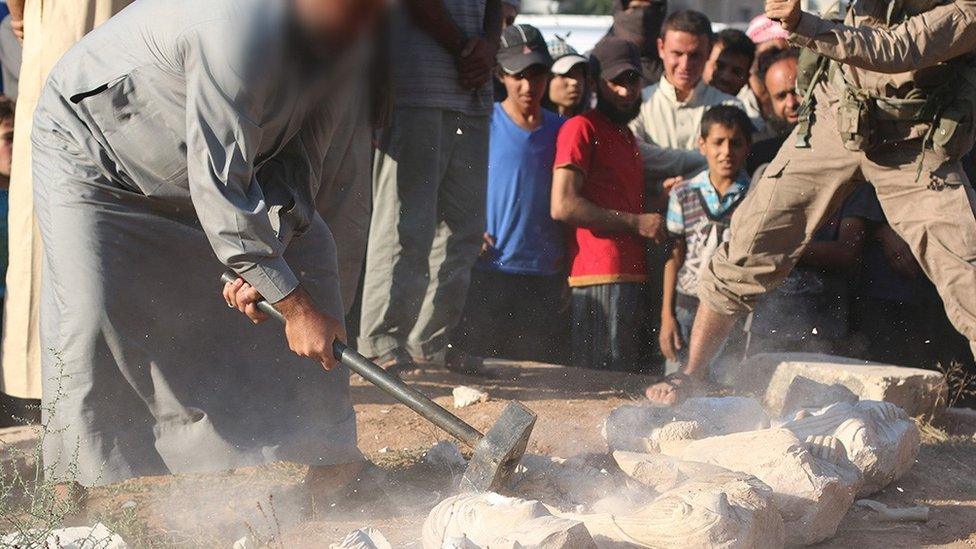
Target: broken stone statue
(812, 480)
(878, 437)
(718, 508)
(650, 429)
(566, 483)
(490, 521)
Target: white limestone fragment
(811, 491)
(78, 537)
(445, 455)
(549, 532)
(878, 437)
(919, 392)
(648, 429)
(483, 520)
(565, 483)
(466, 396)
(363, 538)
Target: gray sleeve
(223, 118)
(942, 33)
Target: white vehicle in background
(580, 31)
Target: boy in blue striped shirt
(698, 219)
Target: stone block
(770, 376)
(546, 533)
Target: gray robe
(175, 141)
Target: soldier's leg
(778, 217)
(934, 215)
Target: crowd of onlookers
(563, 209)
(612, 178)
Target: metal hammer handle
(392, 385)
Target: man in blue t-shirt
(514, 307)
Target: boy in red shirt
(598, 189)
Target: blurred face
(726, 150)
(781, 86)
(526, 88)
(620, 98)
(6, 146)
(566, 90)
(508, 15)
(727, 71)
(684, 56)
(337, 24)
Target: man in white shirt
(670, 118)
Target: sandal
(460, 362)
(398, 362)
(675, 388)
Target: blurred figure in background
(639, 22)
(429, 181)
(515, 304)
(510, 10)
(568, 92)
(598, 190)
(48, 28)
(728, 69)
(778, 69)
(767, 35)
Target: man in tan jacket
(47, 28)
(894, 107)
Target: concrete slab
(771, 376)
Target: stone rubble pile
(711, 472)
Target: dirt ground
(266, 502)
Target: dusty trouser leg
(607, 325)
(461, 223)
(778, 217)
(409, 166)
(935, 216)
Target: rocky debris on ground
(645, 428)
(489, 520)
(363, 538)
(813, 482)
(78, 537)
(445, 455)
(566, 483)
(466, 396)
(919, 513)
(878, 438)
(771, 376)
(18, 451)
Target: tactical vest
(949, 108)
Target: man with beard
(598, 189)
(777, 68)
(893, 101)
(176, 141)
(639, 22)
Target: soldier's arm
(924, 40)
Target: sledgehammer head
(500, 450)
